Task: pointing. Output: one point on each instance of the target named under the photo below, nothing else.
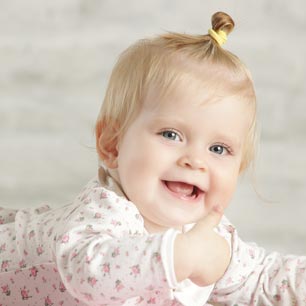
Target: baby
(176, 129)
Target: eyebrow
(232, 139)
(165, 120)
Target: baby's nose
(193, 162)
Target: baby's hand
(201, 254)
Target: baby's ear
(107, 143)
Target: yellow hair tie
(219, 36)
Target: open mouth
(183, 190)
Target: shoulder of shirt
(95, 196)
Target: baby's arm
(257, 278)
(104, 256)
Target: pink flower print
(229, 280)
(1, 220)
(103, 195)
(106, 268)
(12, 251)
(87, 259)
(87, 296)
(149, 240)
(150, 288)
(4, 265)
(151, 301)
(44, 279)
(31, 234)
(252, 253)
(135, 270)
(301, 270)
(84, 196)
(119, 286)
(277, 297)
(115, 223)
(138, 217)
(157, 257)
(25, 253)
(22, 264)
(48, 301)
(2, 247)
(139, 300)
(42, 209)
(37, 290)
(65, 238)
(116, 252)
(33, 271)
(6, 290)
(284, 285)
(74, 254)
(288, 269)
(68, 278)
(87, 201)
(230, 229)
(39, 250)
(80, 219)
(62, 287)
(89, 228)
(25, 293)
(91, 281)
(98, 215)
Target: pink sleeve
(104, 255)
(257, 278)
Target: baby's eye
(219, 149)
(171, 135)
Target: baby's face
(176, 161)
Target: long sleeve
(256, 277)
(99, 247)
(104, 255)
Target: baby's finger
(212, 219)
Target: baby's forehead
(188, 90)
(212, 81)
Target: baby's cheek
(229, 192)
(226, 186)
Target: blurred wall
(55, 60)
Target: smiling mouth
(183, 190)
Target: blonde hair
(162, 62)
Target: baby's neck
(109, 179)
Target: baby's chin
(154, 228)
(161, 228)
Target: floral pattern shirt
(96, 251)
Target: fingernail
(218, 208)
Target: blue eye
(171, 135)
(219, 149)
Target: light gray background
(55, 59)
